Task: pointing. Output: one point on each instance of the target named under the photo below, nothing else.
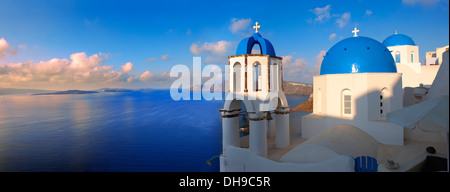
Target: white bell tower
(256, 81)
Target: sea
(139, 131)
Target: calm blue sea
(103, 132)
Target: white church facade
(406, 56)
(358, 85)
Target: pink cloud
(213, 48)
(78, 71)
(239, 24)
(146, 76)
(127, 67)
(4, 45)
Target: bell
(243, 123)
(269, 116)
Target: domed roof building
(358, 55)
(358, 85)
(405, 53)
(246, 45)
(398, 39)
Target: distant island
(67, 92)
(289, 88)
(116, 90)
(13, 91)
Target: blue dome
(246, 45)
(398, 39)
(358, 55)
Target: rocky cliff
(294, 88)
(306, 106)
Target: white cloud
(322, 14)
(294, 68)
(213, 48)
(81, 62)
(332, 36)
(300, 70)
(127, 67)
(368, 13)
(343, 20)
(212, 52)
(239, 24)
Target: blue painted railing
(366, 164)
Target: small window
(257, 77)
(346, 103)
(397, 57)
(237, 77)
(412, 57)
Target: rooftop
(397, 40)
(358, 54)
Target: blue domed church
(358, 85)
(406, 57)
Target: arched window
(346, 103)
(257, 77)
(397, 57)
(237, 77)
(256, 49)
(274, 75)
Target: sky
(90, 44)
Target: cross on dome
(355, 31)
(396, 32)
(256, 27)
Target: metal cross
(355, 31)
(256, 27)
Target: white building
(358, 85)
(256, 82)
(435, 57)
(406, 56)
